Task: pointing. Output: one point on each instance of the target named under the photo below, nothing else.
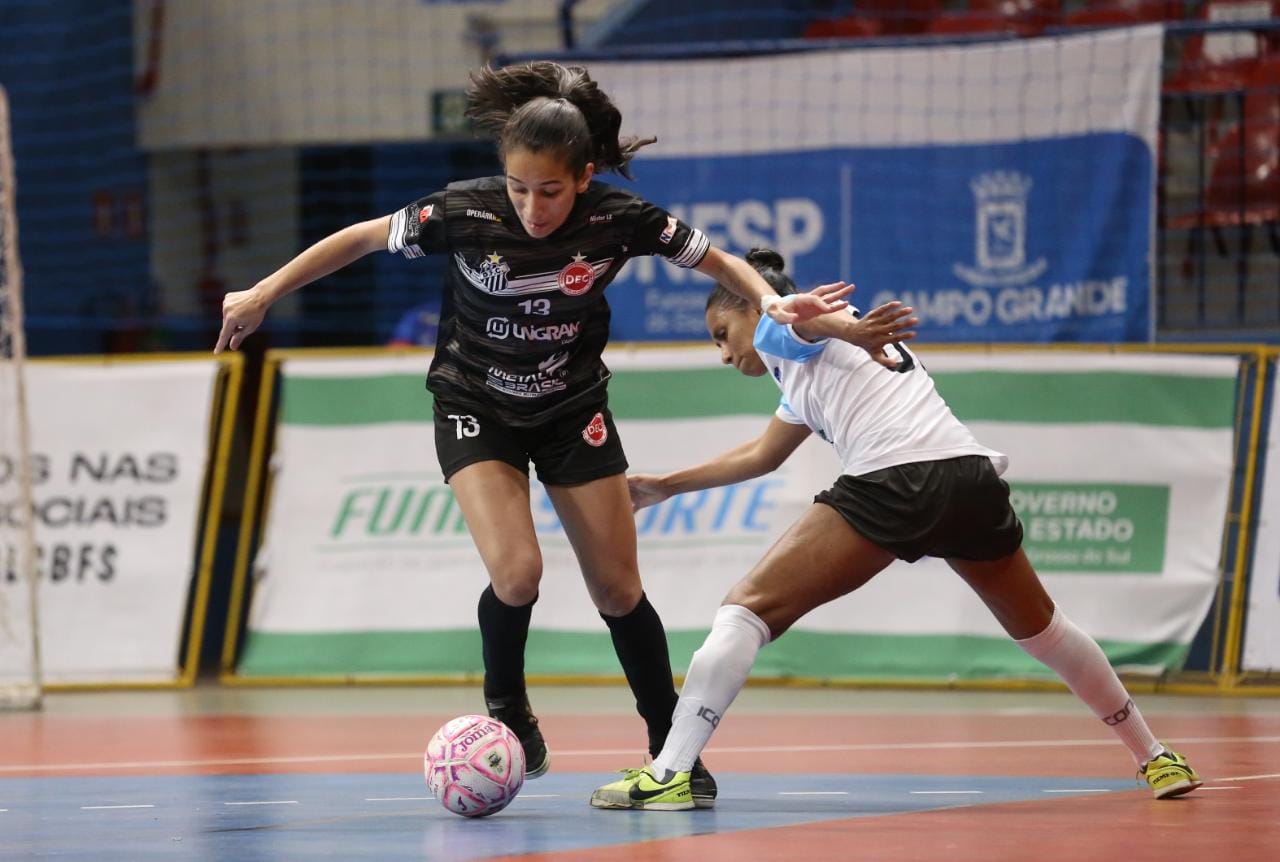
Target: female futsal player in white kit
(914, 483)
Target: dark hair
(543, 106)
(769, 264)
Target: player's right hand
(645, 491)
(242, 313)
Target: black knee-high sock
(503, 631)
(641, 645)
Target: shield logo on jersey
(493, 273)
(596, 432)
(576, 278)
(425, 213)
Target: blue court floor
(823, 775)
(392, 816)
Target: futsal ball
(474, 765)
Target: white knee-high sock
(1083, 666)
(717, 673)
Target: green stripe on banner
(689, 393)
(354, 400)
(1097, 396)
(682, 393)
(997, 396)
(798, 654)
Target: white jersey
(874, 417)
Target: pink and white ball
(474, 765)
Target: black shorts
(580, 446)
(956, 508)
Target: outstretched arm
(873, 332)
(243, 310)
(741, 277)
(747, 461)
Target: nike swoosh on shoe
(639, 795)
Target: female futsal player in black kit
(517, 374)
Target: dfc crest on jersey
(577, 278)
(596, 432)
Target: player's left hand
(887, 324)
(823, 299)
(645, 490)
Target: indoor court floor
(219, 773)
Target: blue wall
(82, 196)
(67, 67)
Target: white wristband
(771, 299)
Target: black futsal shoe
(518, 716)
(702, 785)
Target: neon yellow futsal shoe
(641, 789)
(1169, 774)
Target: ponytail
(543, 106)
(770, 265)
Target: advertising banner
(119, 457)
(1006, 190)
(1120, 467)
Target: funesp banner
(119, 458)
(1120, 468)
(1005, 191)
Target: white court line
(943, 792)
(538, 796)
(266, 802)
(813, 793)
(1202, 789)
(111, 807)
(627, 752)
(1079, 790)
(216, 761)
(942, 746)
(397, 798)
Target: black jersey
(524, 320)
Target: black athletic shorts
(577, 447)
(957, 508)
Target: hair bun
(766, 258)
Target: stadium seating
(849, 27)
(1214, 63)
(902, 17)
(1244, 181)
(878, 18)
(1098, 13)
(1023, 17)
